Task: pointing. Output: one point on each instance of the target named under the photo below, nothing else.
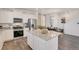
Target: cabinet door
(35, 42)
(30, 40)
(53, 44)
(1, 41)
(7, 35)
(42, 44)
(25, 32)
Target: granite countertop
(48, 36)
(5, 29)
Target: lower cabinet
(37, 43)
(42, 44)
(1, 41)
(25, 31)
(7, 35)
(30, 40)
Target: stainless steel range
(18, 33)
(18, 28)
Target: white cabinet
(1, 40)
(41, 44)
(53, 43)
(25, 31)
(38, 43)
(29, 39)
(35, 43)
(7, 35)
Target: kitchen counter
(38, 41)
(4, 28)
(48, 36)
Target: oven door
(18, 33)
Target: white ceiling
(60, 12)
(44, 11)
(23, 10)
(57, 10)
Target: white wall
(47, 18)
(7, 16)
(41, 20)
(71, 27)
(55, 20)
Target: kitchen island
(38, 41)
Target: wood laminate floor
(16, 44)
(67, 42)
